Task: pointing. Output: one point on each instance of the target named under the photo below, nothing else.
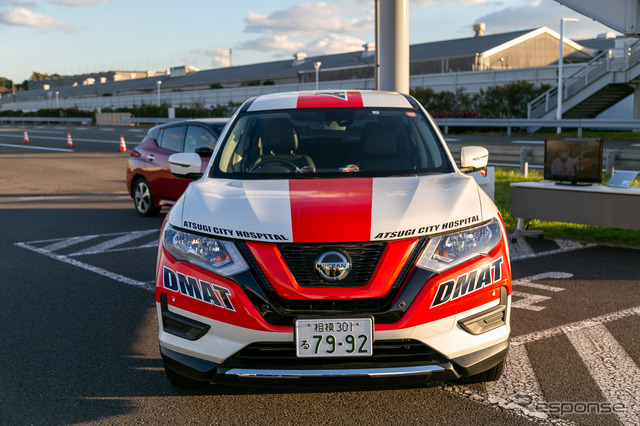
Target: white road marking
(534, 142)
(34, 198)
(615, 373)
(58, 138)
(86, 266)
(528, 301)
(523, 283)
(518, 378)
(106, 245)
(521, 250)
(526, 282)
(25, 146)
(575, 326)
(66, 242)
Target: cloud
(19, 3)
(334, 43)
(273, 42)
(467, 2)
(314, 28)
(283, 46)
(428, 2)
(219, 57)
(74, 3)
(308, 18)
(22, 17)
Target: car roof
(210, 120)
(192, 120)
(330, 99)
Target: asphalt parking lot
(79, 328)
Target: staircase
(600, 84)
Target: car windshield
(347, 142)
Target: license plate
(334, 337)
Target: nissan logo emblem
(333, 266)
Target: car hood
(332, 210)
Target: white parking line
(56, 138)
(532, 337)
(610, 366)
(86, 266)
(106, 245)
(521, 250)
(47, 248)
(44, 148)
(66, 242)
(615, 373)
(518, 378)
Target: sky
(70, 37)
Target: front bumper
(404, 355)
(208, 371)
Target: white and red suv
(332, 237)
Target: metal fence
(471, 82)
(47, 120)
(531, 125)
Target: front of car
(332, 236)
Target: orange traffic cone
(69, 141)
(123, 146)
(26, 137)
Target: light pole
(57, 103)
(159, 82)
(316, 65)
(560, 61)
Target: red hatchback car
(149, 180)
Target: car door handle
(151, 157)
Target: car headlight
(447, 251)
(218, 256)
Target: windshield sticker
(411, 114)
(426, 230)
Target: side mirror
(473, 159)
(186, 165)
(204, 151)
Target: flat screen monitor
(573, 160)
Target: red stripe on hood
(331, 210)
(329, 99)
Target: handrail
(509, 123)
(597, 67)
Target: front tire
(143, 199)
(491, 375)
(182, 382)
